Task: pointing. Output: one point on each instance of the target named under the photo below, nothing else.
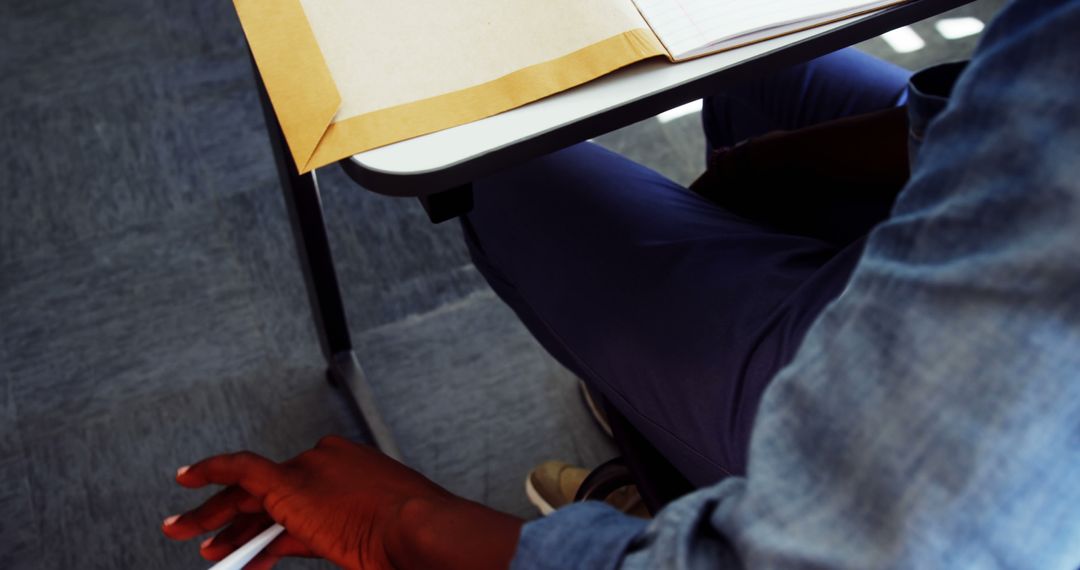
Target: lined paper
(692, 27)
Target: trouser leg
(841, 84)
(824, 204)
(676, 311)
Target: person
(912, 391)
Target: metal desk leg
(301, 192)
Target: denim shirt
(931, 418)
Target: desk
(439, 168)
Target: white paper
(387, 53)
(693, 27)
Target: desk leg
(301, 193)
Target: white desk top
(454, 156)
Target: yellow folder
(344, 76)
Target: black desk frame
(304, 205)
(447, 195)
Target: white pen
(245, 553)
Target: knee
(526, 199)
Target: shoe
(554, 484)
(597, 413)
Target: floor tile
(103, 486)
(156, 310)
(475, 403)
(20, 537)
(89, 165)
(938, 49)
(59, 48)
(391, 261)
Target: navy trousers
(678, 312)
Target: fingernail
(206, 543)
(182, 470)
(171, 520)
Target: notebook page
(689, 26)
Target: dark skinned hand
(344, 502)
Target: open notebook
(345, 76)
(692, 28)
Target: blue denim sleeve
(931, 418)
(584, 535)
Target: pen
(245, 553)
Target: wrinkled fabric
(931, 416)
(674, 308)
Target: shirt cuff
(591, 534)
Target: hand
(344, 502)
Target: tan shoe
(553, 484)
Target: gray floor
(152, 312)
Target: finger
(331, 441)
(243, 529)
(213, 514)
(256, 474)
